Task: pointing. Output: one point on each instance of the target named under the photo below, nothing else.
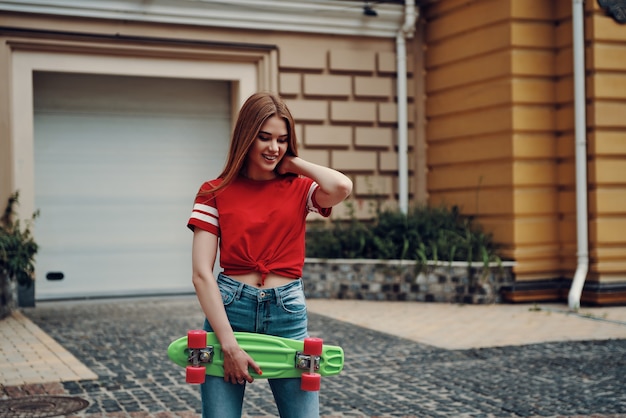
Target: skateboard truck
(199, 353)
(303, 361)
(311, 353)
(198, 356)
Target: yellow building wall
(500, 133)
(491, 123)
(606, 119)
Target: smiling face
(267, 150)
(263, 115)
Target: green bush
(17, 245)
(425, 233)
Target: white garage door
(118, 161)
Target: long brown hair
(255, 111)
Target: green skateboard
(200, 353)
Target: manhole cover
(41, 406)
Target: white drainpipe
(581, 155)
(405, 31)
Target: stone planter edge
(370, 279)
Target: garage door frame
(248, 68)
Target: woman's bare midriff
(254, 279)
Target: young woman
(255, 213)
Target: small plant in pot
(17, 255)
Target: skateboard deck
(200, 353)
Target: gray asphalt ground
(124, 342)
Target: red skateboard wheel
(195, 374)
(196, 338)
(311, 382)
(313, 346)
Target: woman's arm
(335, 187)
(204, 253)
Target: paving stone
(124, 341)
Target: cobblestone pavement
(124, 342)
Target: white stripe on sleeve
(309, 198)
(207, 209)
(205, 218)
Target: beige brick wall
(343, 98)
(372, 137)
(321, 157)
(388, 113)
(354, 112)
(327, 85)
(386, 62)
(355, 161)
(308, 110)
(327, 136)
(293, 57)
(290, 84)
(374, 185)
(352, 60)
(373, 87)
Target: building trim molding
(309, 16)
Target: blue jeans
(280, 311)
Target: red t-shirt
(261, 224)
